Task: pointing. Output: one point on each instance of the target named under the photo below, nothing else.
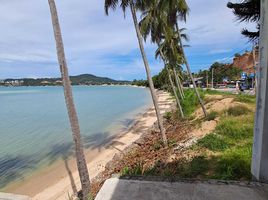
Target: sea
(35, 130)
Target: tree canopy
(247, 11)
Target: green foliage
(132, 171)
(213, 142)
(190, 102)
(197, 166)
(247, 10)
(141, 83)
(237, 55)
(168, 115)
(234, 164)
(238, 110)
(211, 115)
(161, 81)
(236, 128)
(246, 98)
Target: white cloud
(95, 43)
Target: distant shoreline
(129, 85)
(54, 182)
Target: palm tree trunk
(175, 92)
(149, 77)
(80, 157)
(178, 83)
(190, 73)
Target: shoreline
(59, 180)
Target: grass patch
(213, 142)
(190, 102)
(168, 115)
(234, 164)
(211, 115)
(238, 110)
(236, 128)
(196, 167)
(245, 98)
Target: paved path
(119, 189)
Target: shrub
(238, 110)
(211, 115)
(190, 102)
(168, 115)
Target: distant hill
(83, 79)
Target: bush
(168, 115)
(211, 115)
(238, 110)
(190, 102)
(213, 142)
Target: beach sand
(61, 179)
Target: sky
(106, 45)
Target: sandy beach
(61, 178)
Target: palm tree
(248, 11)
(178, 82)
(124, 5)
(166, 54)
(178, 9)
(154, 23)
(80, 157)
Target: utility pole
(207, 78)
(212, 79)
(260, 146)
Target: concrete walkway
(6, 196)
(120, 189)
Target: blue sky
(105, 46)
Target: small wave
(18, 92)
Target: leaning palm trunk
(172, 85)
(178, 83)
(80, 157)
(147, 68)
(175, 92)
(190, 73)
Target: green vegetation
(141, 83)
(246, 98)
(224, 154)
(238, 110)
(221, 71)
(213, 142)
(249, 11)
(83, 79)
(211, 115)
(190, 103)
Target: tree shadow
(13, 168)
(74, 188)
(63, 150)
(101, 141)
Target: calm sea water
(34, 126)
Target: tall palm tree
(166, 54)
(80, 157)
(154, 23)
(178, 82)
(248, 11)
(132, 4)
(178, 9)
